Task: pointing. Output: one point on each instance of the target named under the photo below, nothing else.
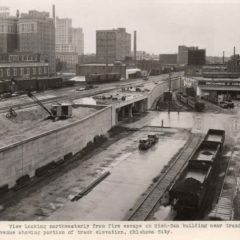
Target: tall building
(69, 44)
(78, 40)
(112, 45)
(197, 57)
(183, 54)
(36, 34)
(8, 31)
(63, 30)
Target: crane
(36, 100)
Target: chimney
(135, 46)
(53, 12)
(223, 58)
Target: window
(28, 71)
(14, 72)
(22, 71)
(40, 70)
(8, 72)
(45, 70)
(34, 70)
(1, 73)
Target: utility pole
(169, 91)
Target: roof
(219, 88)
(133, 70)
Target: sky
(161, 25)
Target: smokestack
(223, 57)
(234, 52)
(135, 46)
(53, 12)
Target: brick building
(112, 45)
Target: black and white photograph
(120, 110)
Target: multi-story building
(183, 54)
(78, 40)
(8, 31)
(63, 30)
(36, 34)
(196, 57)
(152, 67)
(112, 45)
(20, 65)
(69, 44)
(67, 59)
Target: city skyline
(161, 25)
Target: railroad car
(194, 103)
(189, 190)
(103, 78)
(36, 84)
(5, 86)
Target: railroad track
(146, 205)
(77, 95)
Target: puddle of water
(87, 101)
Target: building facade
(69, 44)
(22, 66)
(112, 45)
(183, 54)
(78, 40)
(168, 59)
(87, 69)
(197, 57)
(36, 34)
(69, 60)
(152, 67)
(8, 32)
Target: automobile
(88, 87)
(153, 138)
(230, 103)
(144, 144)
(223, 104)
(81, 89)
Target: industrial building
(22, 65)
(112, 45)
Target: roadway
(71, 93)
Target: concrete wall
(25, 157)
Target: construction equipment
(58, 111)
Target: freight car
(188, 192)
(103, 78)
(23, 85)
(192, 102)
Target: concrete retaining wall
(25, 157)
